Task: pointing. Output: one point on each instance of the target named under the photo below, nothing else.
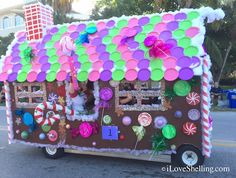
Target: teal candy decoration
(83, 38)
(91, 30)
(28, 119)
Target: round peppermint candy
(189, 128)
(145, 119)
(193, 98)
(194, 114)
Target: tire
(53, 153)
(187, 155)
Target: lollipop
(193, 98)
(106, 94)
(67, 45)
(68, 48)
(144, 119)
(189, 128)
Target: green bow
(139, 132)
(28, 54)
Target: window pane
(18, 20)
(6, 22)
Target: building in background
(11, 20)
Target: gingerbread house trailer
(133, 87)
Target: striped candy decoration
(8, 111)
(38, 113)
(193, 98)
(189, 128)
(206, 143)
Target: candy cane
(8, 111)
(38, 113)
(206, 143)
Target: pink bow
(157, 47)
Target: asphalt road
(21, 161)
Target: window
(29, 95)
(18, 20)
(6, 22)
(140, 96)
(83, 101)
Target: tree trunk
(188, 3)
(224, 62)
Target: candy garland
(206, 143)
(8, 112)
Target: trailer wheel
(53, 153)
(187, 155)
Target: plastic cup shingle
(191, 51)
(120, 64)
(51, 76)
(165, 35)
(184, 42)
(122, 23)
(179, 33)
(41, 77)
(115, 56)
(171, 74)
(21, 77)
(144, 63)
(155, 19)
(86, 66)
(110, 23)
(108, 65)
(54, 67)
(131, 75)
(148, 28)
(118, 75)
(157, 74)
(32, 76)
(177, 52)
(144, 74)
(172, 25)
(83, 58)
(138, 54)
(94, 76)
(26, 68)
(156, 63)
(106, 75)
(184, 25)
(111, 48)
(143, 21)
(193, 15)
(82, 76)
(61, 75)
(53, 59)
(184, 62)
(12, 77)
(186, 73)
(180, 16)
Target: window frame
(20, 19)
(29, 94)
(139, 94)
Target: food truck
(133, 87)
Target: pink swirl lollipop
(67, 45)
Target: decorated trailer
(132, 87)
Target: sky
(82, 6)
